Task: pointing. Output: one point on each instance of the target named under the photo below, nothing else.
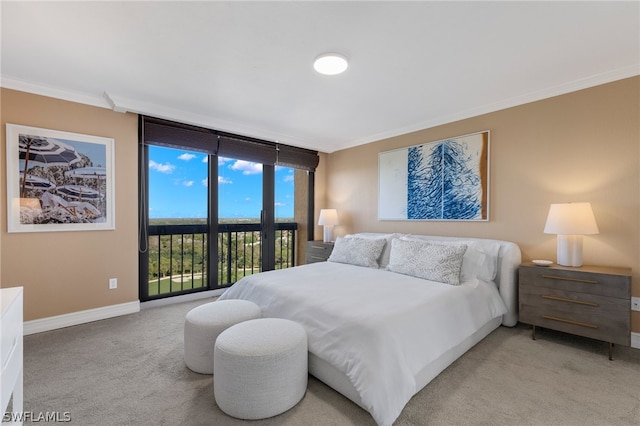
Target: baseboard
(635, 340)
(80, 317)
(183, 298)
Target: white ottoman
(260, 368)
(203, 324)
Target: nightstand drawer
(598, 317)
(606, 331)
(577, 281)
(318, 251)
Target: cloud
(246, 167)
(279, 204)
(162, 168)
(223, 180)
(288, 178)
(188, 183)
(186, 156)
(222, 160)
(205, 159)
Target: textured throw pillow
(383, 260)
(357, 251)
(479, 261)
(422, 259)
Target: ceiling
(246, 67)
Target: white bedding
(399, 326)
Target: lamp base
(570, 250)
(328, 231)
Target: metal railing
(177, 256)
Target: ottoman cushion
(260, 368)
(204, 323)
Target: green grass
(167, 285)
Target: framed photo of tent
(59, 181)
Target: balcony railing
(178, 255)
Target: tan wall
(583, 146)
(65, 272)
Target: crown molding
(562, 89)
(54, 92)
(123, 104)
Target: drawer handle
(319, 247)
(583, 324)
(553, 277)
(562, 299)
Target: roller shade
(249, 150)
(184, 136)
(299, 158)
(177, 135)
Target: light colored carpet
(129, 371)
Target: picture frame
(59, 181)
(445, 180)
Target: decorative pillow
(479, 261)
(383, 260)
(422, 259)
(357, 251)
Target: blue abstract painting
(443, 180)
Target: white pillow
(357, 251)
(383, 260)
(479, 261)
(423, 259)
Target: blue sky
(178, 186)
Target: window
(196, 236)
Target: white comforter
(378, 327)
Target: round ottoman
(203, 324)
(260, 368)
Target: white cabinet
(11, 351)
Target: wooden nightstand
(317, 251)
(589, 301)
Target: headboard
(509, 259)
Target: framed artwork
(59, 181)
(442, 180)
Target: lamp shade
(328, 217)
(571, 219)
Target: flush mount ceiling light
(330, 63)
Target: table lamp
(328, 219)
(570, 221)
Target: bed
(388, 312)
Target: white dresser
(11, 352)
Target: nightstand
(318, 251)
(589, 301)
